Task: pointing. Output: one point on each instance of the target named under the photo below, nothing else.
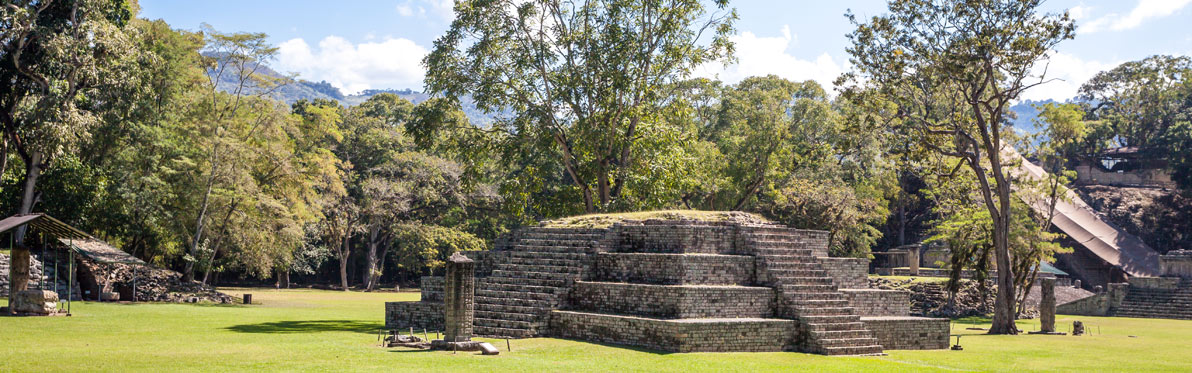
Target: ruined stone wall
(671, 301)
(417, 315)
(486, 260)
(847, 273)
(34, 274)
(653, 268)
(909, 333)
(691, 335)
(432, 289)
(1177, 263)
(878, 302)
(677, 236)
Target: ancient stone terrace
(682, 286)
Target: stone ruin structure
(680, 286)
(1168, 296)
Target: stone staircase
(542, 264)
(1158, 303)
(828, 325)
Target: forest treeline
(166, 142)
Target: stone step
(515, 300)
(497, 294)
(548, 255)
(847, 342)
(513, 287)
(537, 268)
(830, 319)
(549, 262)
(519, 274)
(478, 322)
(844, 334)
(814, 296)
(836, 326)
(498, 332)
(508, 316)
(799, 288)
(814, 303)
(825, 311)
(793, 280)
(550, 249)
(501, 333)
(555, 242)
(787, 271)
(529, 281)
(791, 253)
(853, 350)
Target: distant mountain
(1025, 114)
(305, 89)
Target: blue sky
(362, 44)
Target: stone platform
(682, 286)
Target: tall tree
(580, 78)
(954, 68)
(62, 63)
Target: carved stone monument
(1047, 307)
(458, 304)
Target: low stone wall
(1165, 283)
(909, 333)
(689, 335)
(675, 269)
(673, 301)
(1096, 305)
(852, 273)
(417, 315)
(878, 302)
(1177, 263)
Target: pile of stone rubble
(154, 284)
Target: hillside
(1161, 218)
(299, 89)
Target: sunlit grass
(318, 330)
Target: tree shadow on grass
(308, 326)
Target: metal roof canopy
(75, 239)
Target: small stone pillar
(459, 293)
(912, 258)
(1047, 306)
(19, 263)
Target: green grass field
(312, 330)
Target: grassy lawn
(327, 330)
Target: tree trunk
(1003, 308)
(374, 233)
(19, 260)
(344, 253)
(283, 279)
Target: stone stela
(1047, 307)
(459, 301)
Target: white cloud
(767, 55)
(443, 9)
(1070, 73)
(405, 10)
(392, 63)
(1145, 10)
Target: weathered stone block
(37, 302)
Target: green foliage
(1145, 104)
(419, 246)
(584, 82)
